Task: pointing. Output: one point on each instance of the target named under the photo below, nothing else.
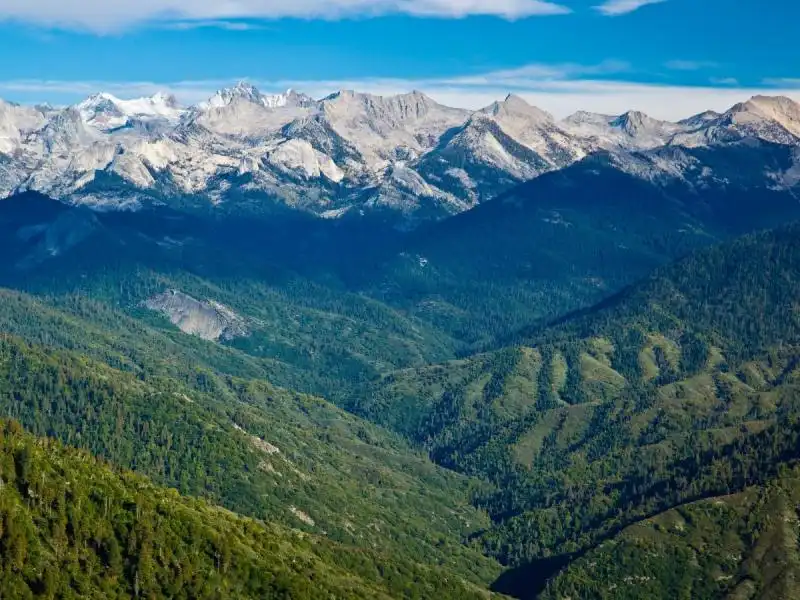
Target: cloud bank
(113, 15)
(690, 65)
(559, 89)
(614, 8)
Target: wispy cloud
(521, 76)
(613, 8)
(227, 25)
(724, 81)
(114, 15)
(559, 89)
(66, 91)
(788, 82)
(690, 65)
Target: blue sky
(667, 57)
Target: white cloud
(689, 65)
(724, 81)
(227, 25)
(540, 72)
(788, 82)
(613, 8)
(114, 15)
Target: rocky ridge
(345, 154)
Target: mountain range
(405, 157)
(380, 347)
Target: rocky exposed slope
(207, 319)
(342, 155)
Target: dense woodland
(484, 430)
(73, 527)
(742, 545)
(681, 387)
(260, 451)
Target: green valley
(504, 305)
(682, 386)
(172, 345)
(253, 448)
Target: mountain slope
(72, 526)
(740, 546)
(253, 448)
(650, 399)
(329, 303)
(279, 277)
(569, 238)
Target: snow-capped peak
(160, 104)
(102, 111)
(703, 118)
(631, 130)
(241, 91)
(290, 98)
(634, 122)
(778, 109)
(247, 92)
(101, 99)
(164, 99)
(516, 106)
(390, 150)
(105, 111)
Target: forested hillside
(682, 386)
(255, 449)
(565, 432)
(326, 306)
(570, 238)
(743, 545)
(286, 279)
(74, 528)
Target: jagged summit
(241, 91)
(247, 92)
(106, 112)
(514, 105)
(701, 119)
(778, 109)
(290, 98)
(632, 130)
(349, 150)
(414, 103)
(634, 122)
